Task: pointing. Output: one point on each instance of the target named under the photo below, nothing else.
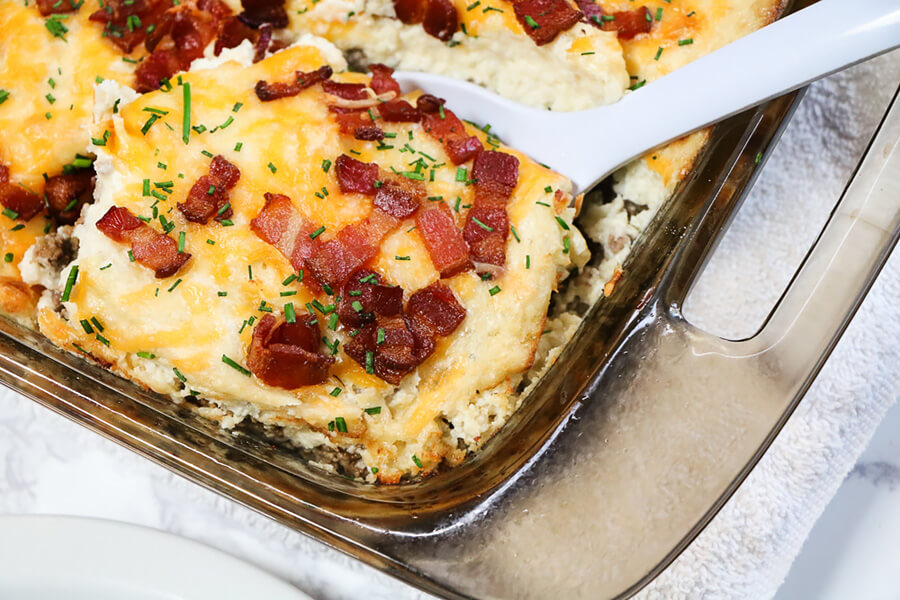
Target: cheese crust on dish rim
(171, 334)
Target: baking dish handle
(833, 279)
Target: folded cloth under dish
(49, 465)
(746, 551)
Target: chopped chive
(380, 338)
(233, 364)
(461, 174)
(86, 325)
(181, 242)
(659, 52)
(289, 315)
(402, 258)
(414, 457)
(527, 261)
(178, 374)
(373, 410)
(70, 281)
(326, 164)
(317, 232)
(335, 392)
(482, 225)
(222, 294)
(562, 223)
(686, 42)
(10, 213)
(515, 233)
(272, 168)
(146, 355)
(370, 362)
(131, 256)
(186, 118)
(102, 340)
(174, 285)
(340, 424)
(494, 290)
(333, 321)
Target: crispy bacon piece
(66, 194)
(437, 308)
(334, 261)
(543, 20)
(355, 176)
(208, 197)
(401, 350)
(443, 125)
(57, 7)
(267, 92)
(487, 223)
(150, 248)
(286, 354)
(180, 36)
(117, 14)
(232, 33)
(410, 12)
(627, 23)
(441, 19)
(357, 123)
(347, 91)
(259, 12)
(399, 196)
(448, 250)
(363, 297)
(399, 111)
(462, 150)
(383, 79)
(17, 199)
(280, 224)
(393, 346)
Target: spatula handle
(807, 45)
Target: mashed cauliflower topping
(170, 334)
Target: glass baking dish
(624, 451)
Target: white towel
(748, 548)
(49, 465)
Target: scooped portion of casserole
(360, 269)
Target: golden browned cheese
(188, 321)
(46, 117)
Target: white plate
(48, 558)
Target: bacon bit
(406, 341)
(399, 197)
(232, 33)
(399, 111)
(56, 7)
(280, 224)
(627, 23)
(402, 348)
(200, 204)
(355, 176)
(448, 129)
(543, 20)
(334, 261)
(464, 150)
(66, 194)
(260, 12)
(369, 133)
(487, 224)
(437, 307)
(180, 36)
(286, 354)
(267, 92)
(441, 19)
(372, 299)
(150, 248)
(263, 42)
(444, 241)
(496, 175)
(611, 284)
(116, 15)
(19, 200)
(383, 79)
(347, 91)
(410, 12)
(357, 123)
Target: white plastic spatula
(588, 145)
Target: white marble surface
(51, 466)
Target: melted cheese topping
(581, 68)
(186, 322)
(45, 121)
